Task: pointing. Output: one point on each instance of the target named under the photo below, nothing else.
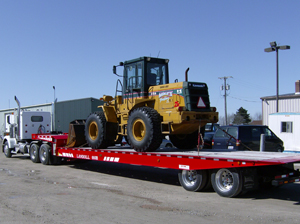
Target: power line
(244, 99)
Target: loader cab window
(133, 76)
(156, 74)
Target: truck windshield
(156, 74)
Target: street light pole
(277, 82)
(53, 113)
(274, 47)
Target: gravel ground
(99, 192)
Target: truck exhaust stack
(18, 119)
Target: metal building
(65, 111)
(287, 103)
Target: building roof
(47, 104)
(282, 96)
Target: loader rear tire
(185, 141)
(144, 130)
(95, 131)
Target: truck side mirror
(115, 69)
(8, 119)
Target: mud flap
(76, 135)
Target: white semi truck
(19, 128)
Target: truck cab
(21, 126)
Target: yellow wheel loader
(146, 107)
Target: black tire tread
(101, 142)
(155, 132)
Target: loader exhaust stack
(186, 74)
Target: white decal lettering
(83, 157)
(165, 95)
(111, 159)
(65, 154)
(184, 167)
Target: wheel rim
(42, 154)
(139, 129)
(224, 180)
(189, 177)
(33, 153)
(6, 149)
(93, 130)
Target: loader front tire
(143, 129)
(95, 131)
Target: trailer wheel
(95, 131)
(34, 153)
(185, 141)
(227, 182)
(193, 180)
(44, 153)
(144, 130)
(7, 150)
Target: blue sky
(73, 44)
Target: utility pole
(225, 87)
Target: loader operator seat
(151, 79)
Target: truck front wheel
(193, 180)
(7, 150)
(227, 182)
(34, 153)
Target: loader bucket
(76, 135)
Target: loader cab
(142, 73)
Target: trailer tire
(193, 180)
(227, 182)
(34, 153)
(7, 150)
(95, 131)
(44, 154)
(144, 129)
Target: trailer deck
(186, 160)
(229, 173)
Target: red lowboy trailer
(228, 173)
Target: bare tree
(257, 116)
(230, 118)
